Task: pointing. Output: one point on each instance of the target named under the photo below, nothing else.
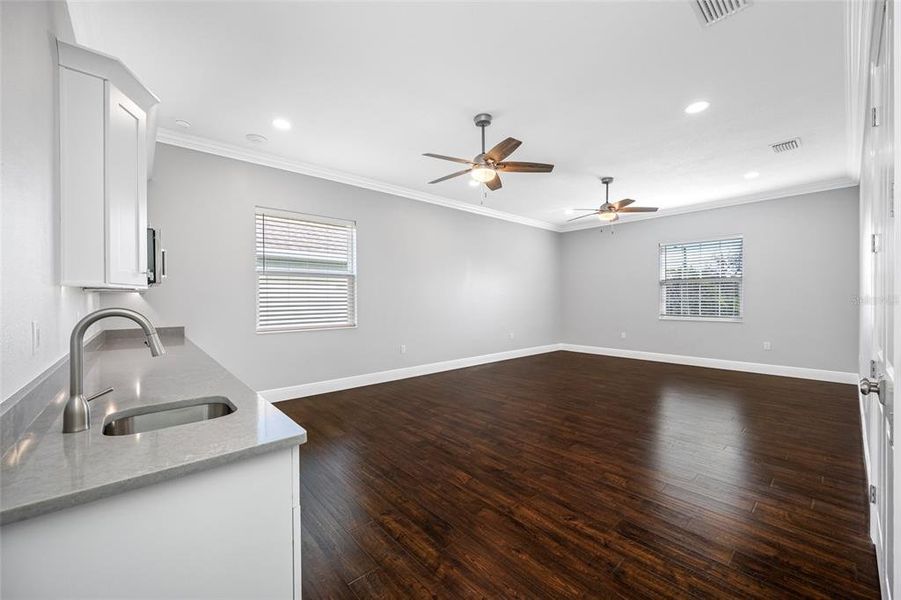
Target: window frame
(661, 316)
(313, 218)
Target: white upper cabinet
(106, 143)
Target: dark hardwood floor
(570, 475)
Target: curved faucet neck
(76, 416)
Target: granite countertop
(47, 470)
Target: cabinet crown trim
(86, 60)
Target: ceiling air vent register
(786, 146)
(714, 11)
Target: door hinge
(891, 198)
(872, 494)
(875, 116)
(874, 243)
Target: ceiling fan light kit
(483, 173)
(486, 165)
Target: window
(306, 272)
(701, 280)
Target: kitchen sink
(151, 418)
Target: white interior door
(878, 286)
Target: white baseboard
(344, 383)
(716, 363)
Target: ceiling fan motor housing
(482, 120)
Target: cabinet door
(81, 139)
(126, 191)
(220, 533)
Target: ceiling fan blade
(503, 150)
(494, 183)
(638, 209)
(451, 176)
(450, 158)
(622, 203)
(525, 167)
(582, 216)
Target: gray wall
(800, 278)
(446, 283)
(449, 284)
(29, 250)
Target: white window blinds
(306, 271)
(702, 280)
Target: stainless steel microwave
(156, 257)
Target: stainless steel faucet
(77, 414)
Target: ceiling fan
(610, 211)
(485, 167)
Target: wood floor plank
(542, 477)
(344, 556)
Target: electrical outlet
(622, 335)
(403, 348)
(35, 337)
(512, 335)
(767, 346)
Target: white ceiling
(596, 88)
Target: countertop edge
(281, 431)
(27, 511)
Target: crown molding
(797, 190)
(201, 144)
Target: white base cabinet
(229, 532)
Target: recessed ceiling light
(182, 123)
(282, 124)
(256, 138)
(696, 107)
(752, 175)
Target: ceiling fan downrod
(482, 120)
(607, 181)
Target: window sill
(297, 329)
(704, 319)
